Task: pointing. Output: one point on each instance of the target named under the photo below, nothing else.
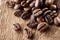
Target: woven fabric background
(7, 19)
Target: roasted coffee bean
(42, 26)
(10, 4)
(18, 6)
(33, 22)
(29, 1)
(27, 9)
(18, 13)
(57, 21)
(28, 33)
(49, 19)
(17, 1)
(26, 15)
(53, 7)
(37, 12)
(16, 27)
(45, 11)
(24, 4)
(40, 19)
(54, 14)
(32, 4)
(38, 3)
(49, 2)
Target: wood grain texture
(7, 33)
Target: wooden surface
(7, 19)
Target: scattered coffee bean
(32, 4)
(49, 2)
(48, 19)
(53, 7)
(10, 4)
(16, 27)
(37, 12)
(57, 21)
(42, 26)
(28, 33)
(17, 1)
(26, 15)
(32, 23)
(18, 6)
(40, 19)
(24, 4)
(18, 13)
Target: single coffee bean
(49, 2)
(18, 13)
(40, 19)
(53, 7)
(32, 4)
(24, 4)
(29, 1)
(28, 33)
(42, 26)
(26, 15)
(54, 14)
(37, 12)
(49, 19)
(16, 27)
(57, 21)
(10, 4)
(27, 9)
(17, 1)
(18, 6)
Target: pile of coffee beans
(41, 13)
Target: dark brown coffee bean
(42, 26)
(57, 21)
(32, 23)
(32, 4)
(29, 1)
(40, 19)
(18, 13)
(54, 14)
(17, 1)
(24, 4)
(10, 4)
(48, 19)
(28, 33)
(38, 3)
(27, 9)
(37, 12)
(16, 27)
(26, 15)
(49, 2)
(18, 6)
(53, 7)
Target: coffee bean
(40, 19)
(16, 27)
(10, 4)
(37, 12)
(32, 4)
(57, 21)
(28, 33)
(32, 23)
(26, 15)
(48, 19)
(42, 26)
(24, 4)
(18, 13)
(18, 6)
(49, 2)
